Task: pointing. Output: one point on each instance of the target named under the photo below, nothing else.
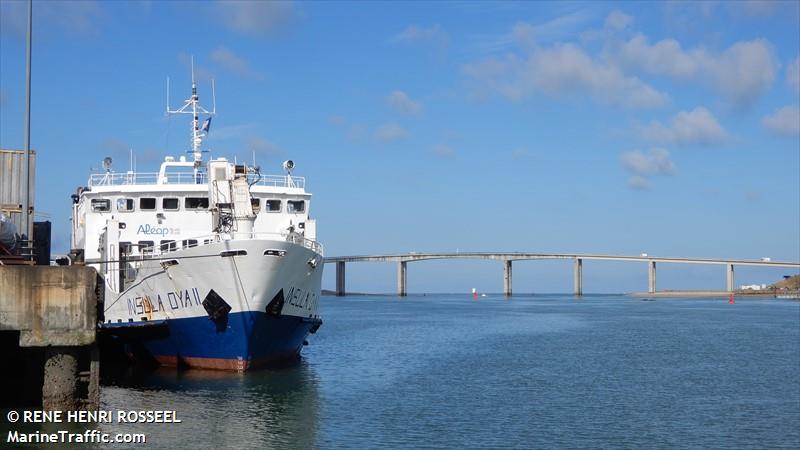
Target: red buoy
(730, 299)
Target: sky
(588, 127)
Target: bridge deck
(516, 256)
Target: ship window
(146, 247)
(125, 248)
(196, 203)
(125, 204)
(169, 204)
(101, 205)
(147, 204)
(273, 205)
(295, 206)
(188, 243)
(168, 246)
(227, 253)
(256, 204)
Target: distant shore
(764, 294)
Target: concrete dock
(48, 320)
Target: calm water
(530, 372)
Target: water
(444, 371)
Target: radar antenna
(192, 106)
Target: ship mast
(192, 106)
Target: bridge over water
(507, 258)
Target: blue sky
(666, 128)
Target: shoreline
(791, 295)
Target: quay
(48, 320)
(507, 258)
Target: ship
(204, 264)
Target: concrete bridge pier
(401, 279)
(507, 290)
(730, 278)
(651, 276)
(578, 276)
(340, 292)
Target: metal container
(12, 179)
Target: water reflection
(275, 408)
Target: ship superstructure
(205, 263)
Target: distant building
(752, 287)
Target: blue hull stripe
(252, 337)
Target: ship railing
(165, 249)
(172, 178)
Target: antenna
(213, 97)
(192, 106)
(167, 95)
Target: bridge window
(273, 206)
(295, 206)
(146, 247)
(147, 204)
(196, 203)
(169, 204)
(125, 248)
(101, 205)
(188, 243)
(168, 246)
(256, 204)
(125, 204)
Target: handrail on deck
(164, 249)
(172, 178)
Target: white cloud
(793, 75)
(617, 20)
(741, 73)
(443, 151)
(757, 8)
(696, 127)
(414, 34)
(254, 17)
(664, 57)
(84, 17)
(337, 120)
(262, 146)
(785, 121)
(638, 182)
(655, 162)
(744, 71)
(233, 63)
(644, 166)
(401, 102)
(563, 27)
(524, 34)
(519, 153)
(390, 132)
(563, 70)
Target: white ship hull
(269, 292)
